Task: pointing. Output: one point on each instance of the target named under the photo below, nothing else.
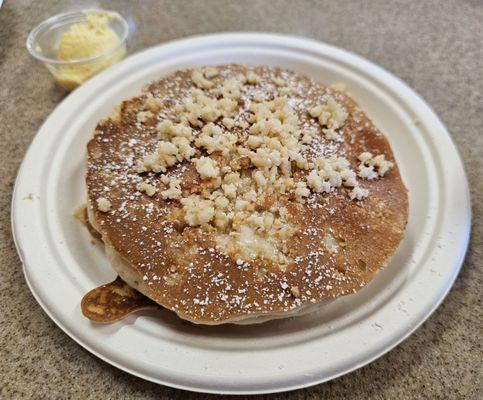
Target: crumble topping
(173, 191)
(358, 193)
(331, 116)
(152, 103)
(144, 116)
(147, 188)
(200, 80)
(253, 78)
(279, 81)
(206, 167)
(244, 164)
(103, 204)
(295, 291)
(198, 211)
(373, 167)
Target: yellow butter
(91, 38)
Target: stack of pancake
(178, 217)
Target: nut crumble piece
(103, 204)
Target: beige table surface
(435, 46)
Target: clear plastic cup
(43, 44)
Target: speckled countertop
(434, 46)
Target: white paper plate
(61, 264)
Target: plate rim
(266, 38)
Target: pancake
(234, 195)
(113, 301)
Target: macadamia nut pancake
(229, 193)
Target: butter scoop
(75, 46)
(90, 38)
